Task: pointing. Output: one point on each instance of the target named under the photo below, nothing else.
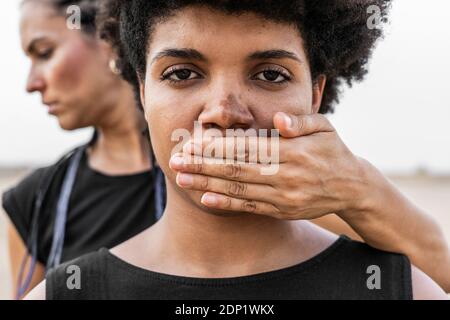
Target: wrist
(376, 212)
(366, 193)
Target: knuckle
(232, 170)
(227, 203)
(204, 183)
(197, 167)
(301, 123)
(237, 188)
(290, 200)
(248, 206)
(303, 199)
(289, 196)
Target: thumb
(292, 126)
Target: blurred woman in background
(77, 204)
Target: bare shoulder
(38, 293)
(318, 238)
(424, 288)
(316, 233)
(132, 249)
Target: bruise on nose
(234, 110)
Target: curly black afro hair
(336, 33)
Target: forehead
(212, 31)
(39, 19)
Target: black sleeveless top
(97, 206)
(342, 271)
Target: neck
(121, 147)
(215, 246)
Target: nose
(35, 82)
(225, 109)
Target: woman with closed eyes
(77, 77)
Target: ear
(106, 49)
(317, 94)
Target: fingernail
(209, 200)
(185, 179)
(176, 161)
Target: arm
(427, 249)
(387, 220)
(18, 203)
(17, 251)
(38, 293)
(333, 223)
(424, 288)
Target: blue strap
(32, 240)
(62, 210)
(160, 191)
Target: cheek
(167, 115)
(66, 71)
(76, 78)
(264, 104)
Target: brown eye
(180, 75)
(183, 74)
(273, 76)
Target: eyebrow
(274, 54)
(180, 53)
(193, 54)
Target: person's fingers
(223, 202)
(229, 170)
(251, 149)
(292, 126)
(235, 189)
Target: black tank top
(96, 209)
(345, 270)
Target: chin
(66, 123)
